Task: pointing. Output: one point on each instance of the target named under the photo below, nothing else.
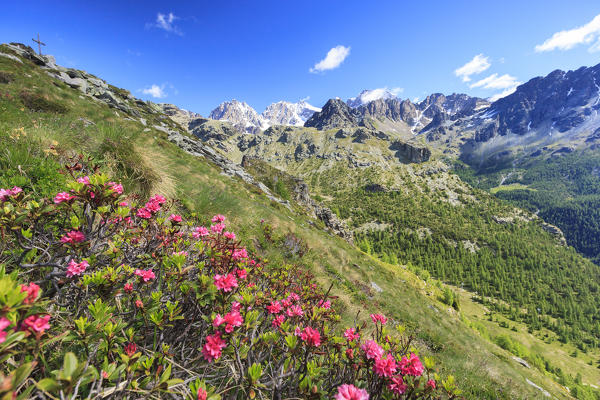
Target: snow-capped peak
(286, 113)
(367, 96)
(246, 119)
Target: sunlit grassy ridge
(36, 143)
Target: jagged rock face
(240, 115)
(392, 109)
(286, 113)
(179, 115)
(562, 99)
(245, 119)
(410, 153)
(335, 114)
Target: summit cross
(40, 44)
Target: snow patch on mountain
(246, 119)
(367, 96)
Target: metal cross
(40, 44)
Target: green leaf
(47, 385)
(21, 373)
(166, 374)
(69, 365)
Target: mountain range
(245, 119)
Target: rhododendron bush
(103, 295)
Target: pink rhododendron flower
(213, 346)
(36, 323)
(236, 306)
(324, 304)
(218, 321)
(73, 237)
(200, 232)
(139, 304)
(278, 320)
(295, 311)
(217, 228)
(411, 366)
(379, 318)
(152, 206)
(286, 303)
(218, 218)
(229, 235)
(32, 291)
(239, 254)
(4, 194)
(225, 283)
(241, 273)
(145, 274)
(4, 323)
(431, 384)
(181, 253)
(116, 187)
(84, 179)
(385, 366)
(143, 212)
(311, 336)
(128, 288)
(76, 268)
(372, 349)
(158, 199)
(397, 385)
(298, 331)
(130, 349)
(274, 307)
(350, 353)
(293, 297)
(233, 319)
(62, 196)
(202, 395)
(351, 392)
(123, 204)
(175, 218)
(350, 335)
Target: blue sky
(198, 54)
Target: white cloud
(477, 65)
(166, 22)
(332, 60)
(502, 94)
(565, 40)
(496, 82)
(396, 91)
(158, 92)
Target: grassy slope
(147, 163)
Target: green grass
(508, 188)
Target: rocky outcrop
(331, 221)
(555, 231)
(335, 114)
(229, 168)
(179, 115)
(86, 83)
(407, 152)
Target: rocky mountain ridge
(245, 119)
